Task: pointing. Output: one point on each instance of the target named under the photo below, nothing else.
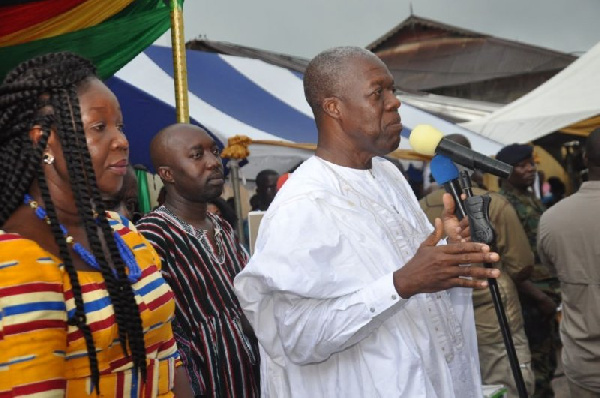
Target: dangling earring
(48, 158)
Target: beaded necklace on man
(201, 235)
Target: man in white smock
(348, 291)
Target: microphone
(446, 173)
(427, 140)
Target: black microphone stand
(477, 209)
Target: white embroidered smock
(320, 295)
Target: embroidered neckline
(200, 234)
(420, 229)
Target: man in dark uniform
(540, 295)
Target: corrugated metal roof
(415, 20)
(424, 55)
(454, 61)
(296, 64)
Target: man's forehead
(191, 138)
(370, 68)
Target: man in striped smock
(200, 257)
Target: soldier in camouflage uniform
(540, 296)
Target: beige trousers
(495, 366)
(580, 392)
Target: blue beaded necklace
(124, 251)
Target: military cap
(514, 153)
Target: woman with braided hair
(84, 309)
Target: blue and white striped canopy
(231, 95)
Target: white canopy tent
(569, 97)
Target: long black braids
(79, 318)
(129, 313)
(43, 91)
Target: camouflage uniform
(541, 333)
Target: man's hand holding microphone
(439, 267)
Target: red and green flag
(109, 33)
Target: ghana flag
(108, 32)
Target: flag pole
(179, 64)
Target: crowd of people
(354, 289)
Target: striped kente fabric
(41, 356)
(221, 360)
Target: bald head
(164, 143)
(327, 71)
(187, 160)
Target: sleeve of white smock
(303, 291)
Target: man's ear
(165, 174)
(331, 107)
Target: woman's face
(103, 126)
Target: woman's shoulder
(10, 237)
(23, 260)
(15, 245)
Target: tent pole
(179, 64)
(237, 150)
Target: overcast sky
(305, 27)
